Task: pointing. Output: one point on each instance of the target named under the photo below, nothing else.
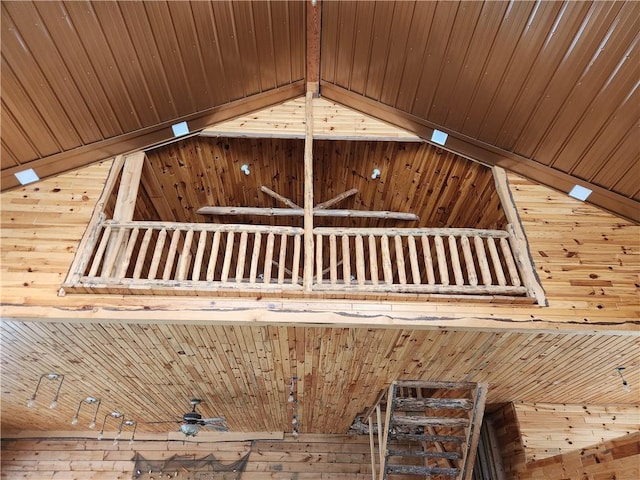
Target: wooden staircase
(430, 430)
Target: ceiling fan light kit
(192, 421)
(189, 429)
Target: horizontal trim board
(478, 151)
(146, 137)
(198, 311)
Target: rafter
(314, 21)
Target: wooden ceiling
(149, 372)
(108, 77)
(547, 84)
(546, 89)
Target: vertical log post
(213, 259)
(346, 260)
(197, 264)
(373, 260)
(255, 257)
(296, 260)
(242, 255)
(308, 194)
(282, 259)
(428, 261)
(380, 436)
(125, 207)
(372, 449)
(391, 394)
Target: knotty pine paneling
(443, 189)
(242, 373)
(618, 458)
(614, 458)
(548, 429)
(327, 457)
(331, 120)
(509, 439)
(112, 345)
(550, 81)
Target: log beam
(308, 194)
(299, 212)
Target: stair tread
(419, 470)
(436, 385)
(418, 404)
(427, 438)
(415, 420)
(422, 454)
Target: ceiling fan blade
(213, 420)
(163, 421)
(218, 427)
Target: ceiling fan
(192, 421)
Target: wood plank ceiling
(547, 89)
(84, 80)
(243, 373)
(547, 84)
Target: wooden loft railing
(197, 256)
(161, 257)
(416, 260)
(119, 255)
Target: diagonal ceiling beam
(149, 136)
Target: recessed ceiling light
(439, 137)
(579, 193)
(27, 176)
(180, 129)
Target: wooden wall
(326, 457)
(443, 189)
(550, 429)
(617, 459)
(566, 352)
(331, 120)
(588, 262)
(507, 429)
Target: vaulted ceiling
(546, 89)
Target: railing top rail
(443, 232)
(283, 229)
(209, 227)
